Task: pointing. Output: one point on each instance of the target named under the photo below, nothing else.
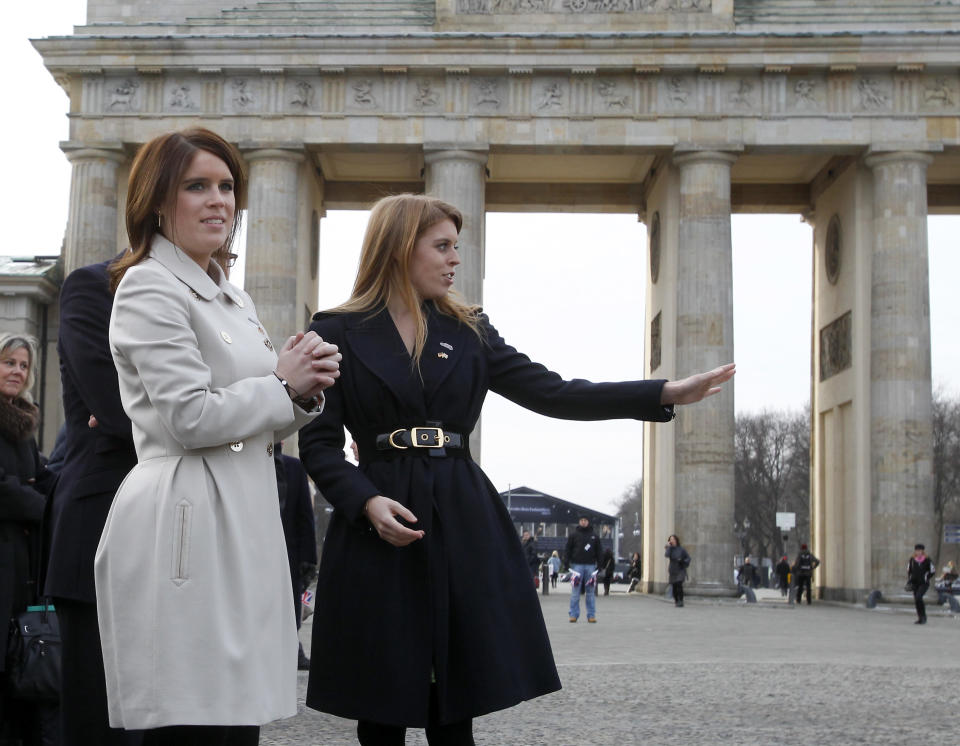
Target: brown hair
(156, 171)
(395, 224)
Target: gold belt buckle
(415, 437)
(396, 445)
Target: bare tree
(946, 463)
(772, 474)
(630, 512)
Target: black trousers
(83, 694)
(677, 592)
(450, 734)
(804, 581)
(918, 593)
(203, 735)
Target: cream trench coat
(193, 587)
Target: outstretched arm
(696, 387)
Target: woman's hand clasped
(380, 511)
(308, 364)
(696, 387)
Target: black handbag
(34, 655)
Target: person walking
(582, 557)
(783, 575)
(454, 630)
(191, 573)
(747, 574)
(920, 569)
(803, 569)
(605, 570)
(677, 570)
(98, 454)
(554, 564)
(529, 545)
(24, 485)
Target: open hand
(380, 511)
(696, 387)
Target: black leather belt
(427, 440)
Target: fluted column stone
(271, 264)
(458, 176)
(901, 432)
(704, 432)
(91, 235)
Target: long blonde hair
(395, 224)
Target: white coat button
(239, 303)
(226, 338)
(236, 446)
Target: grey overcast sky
(568, 290)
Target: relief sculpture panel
(520, 7)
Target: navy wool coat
(97, 459)
(457, 605)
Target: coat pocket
(180, 570)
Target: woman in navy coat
(426, 614)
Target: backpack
(805, 562)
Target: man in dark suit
(299, 530)
(99, 452)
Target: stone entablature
(839, 91)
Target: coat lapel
(446, 342)
(377, 344)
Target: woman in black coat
(454, 629)
(22, 501)
(605, 571)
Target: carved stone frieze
(525, 92)
(526, 7)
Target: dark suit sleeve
(514, 376)
(342, 484)
(85, 303)
(306, 532)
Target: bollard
(545, 579)
(873, 599)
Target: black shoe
(680, 603)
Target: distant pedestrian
(554, 563)
(529, 545)
(679, 562)
(783, 575)
(635, 571)
(582, 556)
(747, 574)
(803, 571)
(605, 571)
(919, 571)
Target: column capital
(881, 156)
(683, 154)
(435, 152)
(272, 152)
(79, 151)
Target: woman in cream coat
(193, 587)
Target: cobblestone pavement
(719, 672)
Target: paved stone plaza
(720, 672)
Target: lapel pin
(447, 345)
(442, 355)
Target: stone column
(92, 223)
(704, 432)
(901, 433)
(271, 264)
(458, 176)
